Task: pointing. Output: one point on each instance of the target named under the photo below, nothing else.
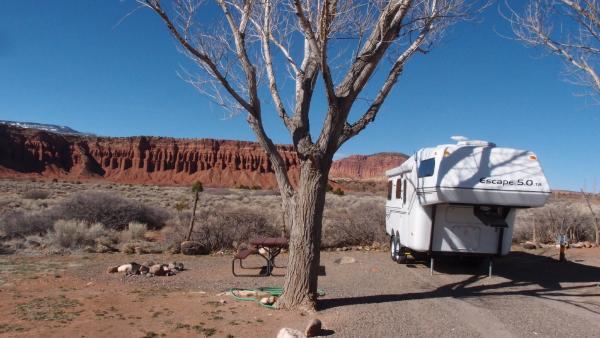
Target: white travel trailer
(460, 199)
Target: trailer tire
(393, 248)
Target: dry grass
(560, 216)
(226, 217)
(75, 234)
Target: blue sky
(69, 63)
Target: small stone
(101, 248)
(222, 301)
(338, 249)
(529, 245)
(156, 270)
(124, 268)
(144, 269)
(194, 248)
(345, 260)
(577, 245)
(149, 263)
(313, 328)
(290, 333)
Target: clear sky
(69, 62)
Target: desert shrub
(220, 229)
(112, 211)
(75, 233)
(360, 222)
(555, 218)
(338, 192)
(21, 224)
(35, 194)
(136, 230)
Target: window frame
(389, 189)
(399, 188)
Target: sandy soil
(530, 295)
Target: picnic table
(272, 248)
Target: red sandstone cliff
(365, 167)
(159, 160)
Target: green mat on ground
(258, 293)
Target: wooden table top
(270, 241)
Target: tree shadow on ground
(526, 275)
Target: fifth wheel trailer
(461, 199)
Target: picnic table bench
(271, 246)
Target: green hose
(270, 290)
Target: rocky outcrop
(155, 160)
(160, 160)
(366, 167)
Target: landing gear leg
(431, 266)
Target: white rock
(290, 333)
(125, 268)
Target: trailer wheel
(393, 249)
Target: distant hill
(41, 126)
(32, 150)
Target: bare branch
(577, 41)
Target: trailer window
(389, 190)
(426, 168)
(404, 198)
(398, 189)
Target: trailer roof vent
(476, 143)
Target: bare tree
(567, 28)
(337, 45)
(594, 218)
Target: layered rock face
(158, 160)
(366, 167)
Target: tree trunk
(189, 235)
(300, 286)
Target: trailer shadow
(521, 273)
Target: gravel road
(529, 296)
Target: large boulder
(194, 248)
(313, 328)
(529, 245)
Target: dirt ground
(530, 295)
